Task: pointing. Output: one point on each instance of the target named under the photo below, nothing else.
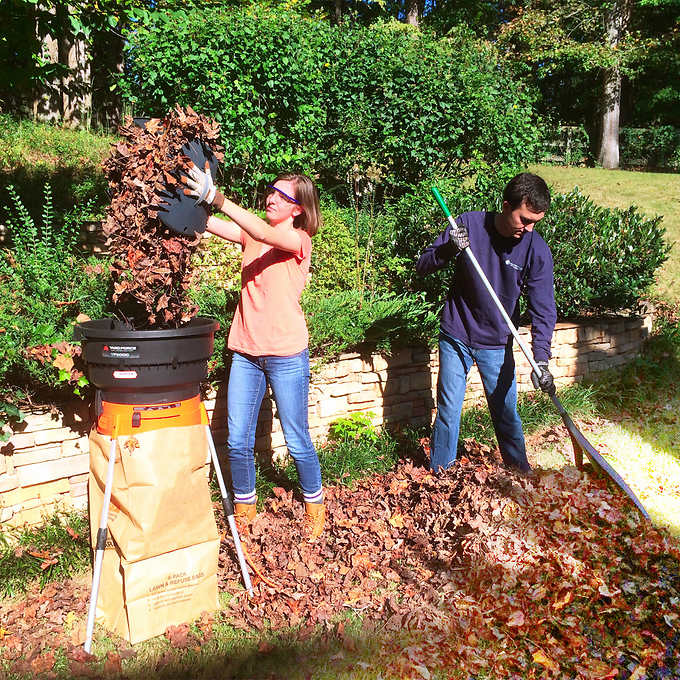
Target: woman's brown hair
(308, 197)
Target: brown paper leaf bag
(160, 561)
(160, 499)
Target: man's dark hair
(529, 188)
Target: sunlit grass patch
(39, 145)
(57, 550)
(651, 471)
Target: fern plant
(44, 284)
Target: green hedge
(381, 106)
(653, 147)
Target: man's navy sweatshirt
(512, 266)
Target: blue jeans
(497, 370)
(288, 378)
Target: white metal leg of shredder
(102, 534)
(229, 512)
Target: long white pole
(102, 534)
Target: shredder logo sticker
(125, 375)
(120, 351)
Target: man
(515, 259)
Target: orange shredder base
(128, 419)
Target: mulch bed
(486, 571)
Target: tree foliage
(386, 104)
(564, 46)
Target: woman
(268, 336)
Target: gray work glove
(458, 241)
(546, 382)
(458, 237)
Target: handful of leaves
(150, 270)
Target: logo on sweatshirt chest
(514, 266)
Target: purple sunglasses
(284, 194)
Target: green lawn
(653, 193)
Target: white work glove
(201, 184)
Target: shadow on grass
(325, 654)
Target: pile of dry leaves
(150, 271)
(481, 570)
(491, 571)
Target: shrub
(355, 426)
(654, 147)
(345, 320)
(336, 248)
(605, 259)
(44, 285)
(219, 303)
(331, 100)
(9, 415)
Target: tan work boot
(315, 518)
(244, 514)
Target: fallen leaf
(563, 599)
(516, 619)
(397, 521)
(541, 658)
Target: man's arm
(540, 291)
(442, 251)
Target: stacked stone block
(44, 466)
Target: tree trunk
(107, 61)
(618, 20)
(337, 11)
(67, 98)
(76, 86)
(46, 100)
(608, 156)
(412, 16)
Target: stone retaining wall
(44, 465)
